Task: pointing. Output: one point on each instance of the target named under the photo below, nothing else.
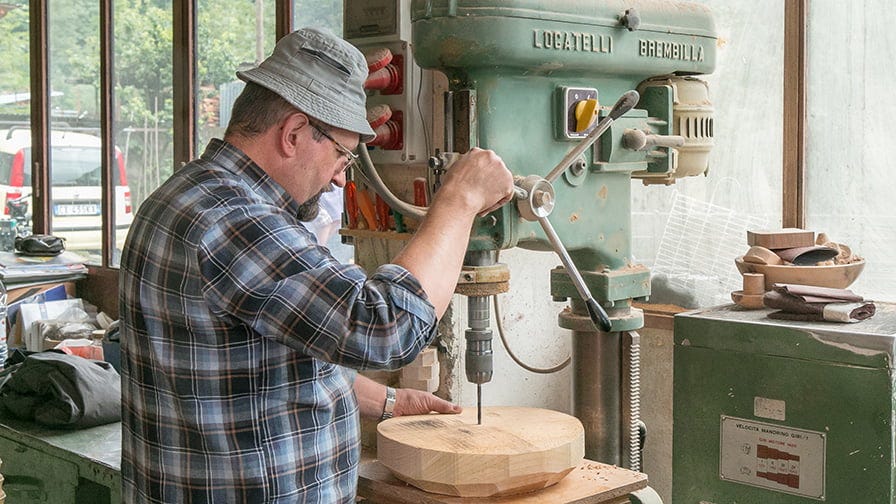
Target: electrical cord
(426, 138)
(367, 169)
(520, 363)
(513, 356)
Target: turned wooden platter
(514, 450)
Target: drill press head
(557, 67)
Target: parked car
(76, 195)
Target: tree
(14, 63)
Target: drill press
(549, 66)
(532, 80)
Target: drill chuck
(478, 357)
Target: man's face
(309, 210)
(314, 165)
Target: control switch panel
(579, 108)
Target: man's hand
(418, 402)
(477, 181)
(372, 395)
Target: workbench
(43, 465)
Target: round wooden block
(748, 301)
(515, 450)
(754, 283)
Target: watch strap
(389, 405)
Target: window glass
(849, 175)
(241, 38)
(15, 113)
(74, 124)
(318, 13)
(692, 231)
(141, 121)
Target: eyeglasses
(350, 157)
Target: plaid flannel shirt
(236, 334)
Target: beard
(310, 209)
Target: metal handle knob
(634, 139)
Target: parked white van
(76, 195)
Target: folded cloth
(788, 303)
(793, 307)
(848, 312)
(60, 390)
(811, 293)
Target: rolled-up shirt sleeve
(263, 269)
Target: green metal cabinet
(52, 466)
(780, 412)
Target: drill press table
(590, 483)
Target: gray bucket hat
(321, 75)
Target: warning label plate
(772, 456)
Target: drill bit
(479, 404)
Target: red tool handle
(382, 214)
(420, 192)
(367, 209)
(351, 204)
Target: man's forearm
(477, 183)
(435, 254)
(371, 396)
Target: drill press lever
(535, 201)
(625, 103)
(535, 197)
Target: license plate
(82, 209)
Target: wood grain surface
(514, 450)
(781, 238)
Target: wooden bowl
(838, 276)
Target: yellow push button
(586, 111)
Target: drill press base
(589, 483)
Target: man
(238, 329)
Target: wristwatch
(389, 405)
